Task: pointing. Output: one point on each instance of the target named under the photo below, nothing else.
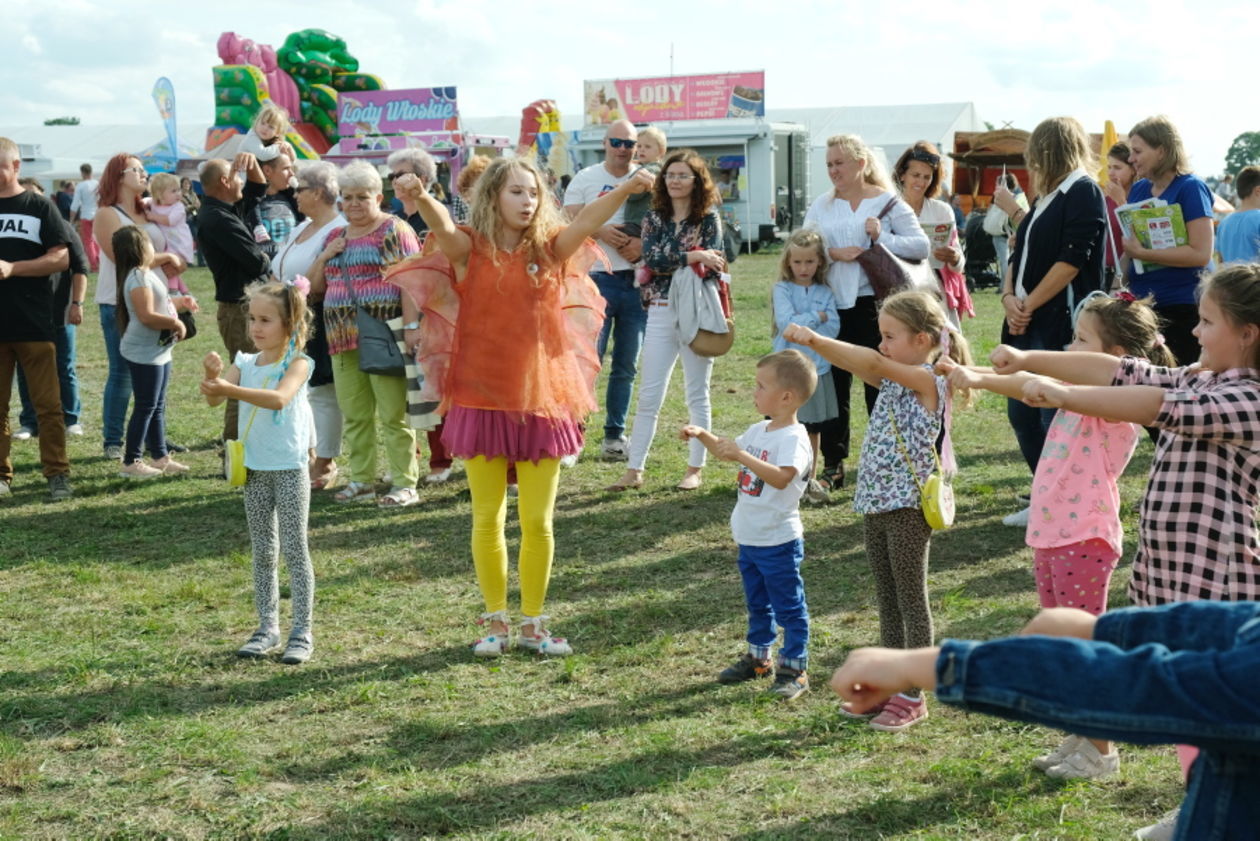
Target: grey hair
(360, 175)
(418, 161)
(320, 176)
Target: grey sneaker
(298, 649)
(260, 644)
(24, 433)
(615, 449)
(114, 451)
(1066, 748)
(789, 684)
(1085, 763)
(1164, 830)
(5, 490)
(59, 487)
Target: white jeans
(326, 416)
(661, 348)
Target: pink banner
(388, 112)
(714, 96)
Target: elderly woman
(681, 229)
(349, 274)
(316, 200)
(920, 174)
(121, 188)
(861, 209)
(1057, 261)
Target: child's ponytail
(1130, 324)
(958, 349)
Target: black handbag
(378, 350)
(190, 324)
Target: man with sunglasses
(624, 317)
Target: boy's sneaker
(815, 492)
(615, 449)
(1085, 763)
(1048, 760)
(1162, 831)
(114, 451)
(59, 487)
(899, 713)
(789, 683)
(298, 649)
(1019, 518)
(260, 644)
(74, 429)
(24, 433)
(747, 667)
(139, 470)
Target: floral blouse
(884, 480)
(364, 263)
(665, 247)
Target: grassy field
(124, 714)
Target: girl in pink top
(1074, 522)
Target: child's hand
(214, 387)
(1007, 360)
(213, 364)
(1062, 622)
(690, 431)
(799, 334)
(726, 449)
(1045, 394)
(872, 675)
(958, 376)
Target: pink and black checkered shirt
(1197, 538)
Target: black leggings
(859, 326)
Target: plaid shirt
(1197, 538)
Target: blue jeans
(1176, 674)
(774, 592)
(117, 383)
(64, 341)
(148, 418)
(625, 320)
(1031, 424)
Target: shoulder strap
(891, 204)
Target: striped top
(364, 263)
(1197, 535)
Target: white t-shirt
(588, 185)
(295, 258)
(84, 201)
(764, 515)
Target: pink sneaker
(170, 466)
(899, 713)
(139, 470)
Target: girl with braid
(277, 438)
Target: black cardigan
(1072, 229)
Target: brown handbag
(888, 273)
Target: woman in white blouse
(847, 216)
(317, 194)
(919, 173)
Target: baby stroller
(982, 269)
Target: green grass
(124, 714)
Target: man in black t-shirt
(32, 248)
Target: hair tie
(1124, 295)
(1159, 340)
(301, 282)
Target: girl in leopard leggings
(277, 439)
(908, 420)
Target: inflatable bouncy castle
(304, 77)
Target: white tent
(54, 153)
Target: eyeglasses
(924, 157)
(621, 143)
(677, 176)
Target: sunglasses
(925, 157)
(619, 143)
(138, 170)
(395, 175)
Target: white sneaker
(24, 433)
(569, 461)
(74, 429)
(1162, 831)
(439, 477)
(1085, 763)
(1019, 518)
(1048, 760)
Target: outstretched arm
(1138, 404)
(870, 366)
(1070, 366)
(217, 390)
(726, 449)
(455, 244)
(971, 376)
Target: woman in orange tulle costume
(511, 294)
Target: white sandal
(539, 640)
(494, 645)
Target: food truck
(761, 168)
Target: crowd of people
(504, 301)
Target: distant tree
(62, 121)
(1244, 151)
(988, 126)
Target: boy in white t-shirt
(775, 459)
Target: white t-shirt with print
(765, 515)
(588, 185)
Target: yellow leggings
(487, 481)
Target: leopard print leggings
(897, 544)
(279, 501)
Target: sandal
(355, 491)
(327, 480)
(537, 639)
(494, 645)
(832, 478)
(399, 498)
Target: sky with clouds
(1093, 59)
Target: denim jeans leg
(117, 383)
(27, 416)
(781, 571)
(67, 361)
(761, 632)
(1030, 424)
(624, 321)
(147, 382)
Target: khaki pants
(234, 329)
(39, 362)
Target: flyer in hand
(1156, 225)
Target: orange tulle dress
(509, 352)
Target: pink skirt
(490, 433)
